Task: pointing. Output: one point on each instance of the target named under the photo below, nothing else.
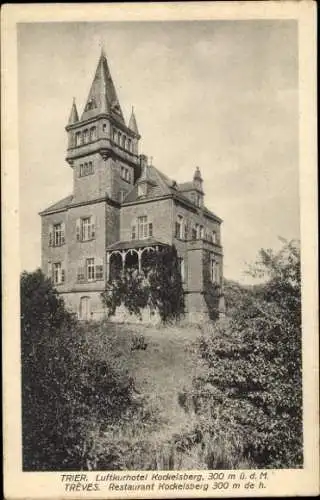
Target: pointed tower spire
(133, 123)
(102, 96)
(73, 117)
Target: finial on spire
(103, 51)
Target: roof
(133, 123)
(161, 185)
(58, 206)
(102, 96)
(126, 245)
(73, 117)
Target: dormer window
(142, 190)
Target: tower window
(78, 138)
(119, 138)
(123, 141)
(129, 144)
(86, 169)
(85, 136)
(104, 128)
(125, 173)
(93, 134)
(201, 232)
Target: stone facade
(121, 207)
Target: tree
(252, 388)
(69, 394)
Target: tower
(102, 149)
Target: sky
(221, 95)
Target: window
(179, 227)
(85, 229)
(201, 232)
(197, 228)
(58, 235)
(198, 200)
(86, 169)
(93, 134)
(90, 269)
(119, 138)
(142, 227)
(194, 233)
(85, 136)
(58, 274)
(122, 195)
(104, 128)
(129, 144)
(214, 237)
(142, 190)
(123, 141)
(114, 135)
(150, 230)
(125, 173)
(78, 138)
(133, 233)
(185, 231)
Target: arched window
(93, 134)
(85, 136)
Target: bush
(252, 391)
(159, 287)
(69, 394)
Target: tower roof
(73, 117)
(197, 175)
(102, 96)
(133, 123)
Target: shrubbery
(70, 395)
(249, 402)
(158, 287)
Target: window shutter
(150, 230)
(50, 270)
(63, 232)
(50, 235)
(99, 268)
(78, 227)
(93, 226)
(185, 231)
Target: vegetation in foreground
(107, 396)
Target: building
(121, 208)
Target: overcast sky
(222, 95)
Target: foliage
(159, 287)
(252, 390)
(70, 394)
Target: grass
(161, 370)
